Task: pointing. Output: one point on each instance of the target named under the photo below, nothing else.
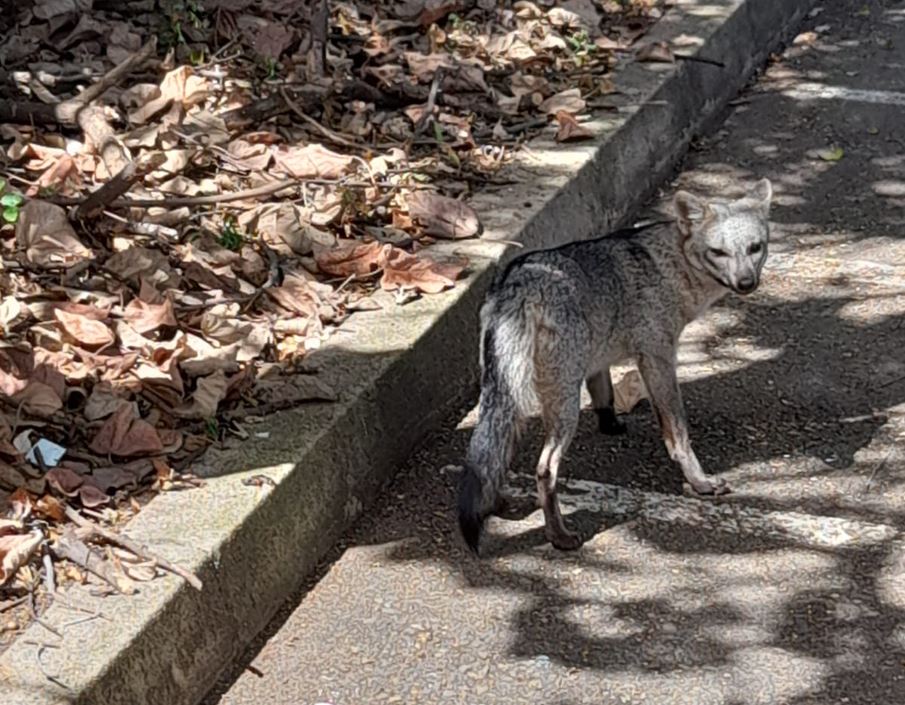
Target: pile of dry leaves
(197, 192)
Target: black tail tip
(471, 522)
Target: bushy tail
(507, 397)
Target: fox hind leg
(558, 377)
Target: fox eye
(756, 248)
(717, 252)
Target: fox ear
(690, 210)
(763, 192)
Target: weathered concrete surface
(397, 375)
(791, 591)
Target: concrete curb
(399, 373)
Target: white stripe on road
(810, 91)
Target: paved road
(792, 589)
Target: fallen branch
(315, 68)
(70, 547)
(67, 112)
(95, 203)
(103, 139)
(265, 190)
(325, 131)
(93, 530)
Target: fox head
(727, 241)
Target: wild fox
(556, 318)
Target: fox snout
(746, 284)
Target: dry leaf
(44, 231)
(38, 399)
(51, 508)
(311, 161)
(404, 271)
(569, 128)
(210, 391)
(10, 477)
(202, 358)
(569, 100)
(655, 52)
(272, 39)
(141, 262)
(10, 309)
(286, 229)
(91, 497)
(102, 402)
(628, 390)
(442, 216)
(349, 260)
(182, 85)
(15, 550)
(83, 330)
(64, 480)
(125, 435)
(144, 317)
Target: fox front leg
(659, 375)
(600, 387)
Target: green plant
(582, 47)
(179, 14)
(230, 237)
(11, 203)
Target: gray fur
(555, 319)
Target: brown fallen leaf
(569, 128)
(38, 399)
(15, 550)
(85, 331)
(349, 260)
(102, 402)
(286, 229)
(125, 435)
(10, 477)
(43, 230)
(209, 392)
(628, 390)
(569, 100)
(272, 39)
(141, 262)
(416, 272)
(92, 497)
(55, 178)
(442, 216)
(253, 156)
(64, 480)
(145, 317)
(49, 507)
(183, 85)
(311, 161)
(201, 358)
(10, 526)
(655, 52)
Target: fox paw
(711, 486)
(564, 540)
(609, 423)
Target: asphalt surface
(789, 590)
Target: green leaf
(831, 154)
(10, 215)
(2, 184)
(11, 200)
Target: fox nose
(746, 285)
